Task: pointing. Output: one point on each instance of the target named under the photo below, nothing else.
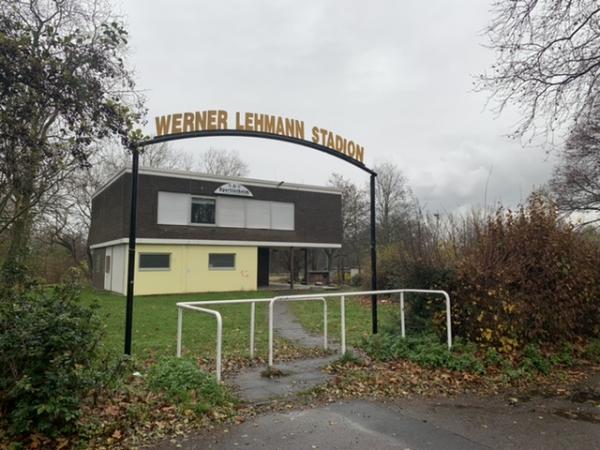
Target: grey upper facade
(299, 214)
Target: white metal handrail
(219, 332)
(251, 301)
(272, 303)
(299, 297)
(343, 295)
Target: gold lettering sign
(188, 122)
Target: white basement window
(155, 261)
(221, 261)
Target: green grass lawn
(358, 318)
(155, 322)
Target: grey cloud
(393, 76)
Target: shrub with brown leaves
(526, 276)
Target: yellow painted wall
(190, 273)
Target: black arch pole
(135, 149)
(135, 163)
(373, 256)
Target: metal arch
(135, 151)
(255, 134)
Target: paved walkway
(459, 423)
(355, 425)
(287, 326)
(297, 375)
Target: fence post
(343, 324)
(448, 321)
(402, 326)
(219, 344)
(325, 324)
(270, 362)
(179, 329)
(252, 317)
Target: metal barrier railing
(251, 301)
(271, 320)
(217, 315)
(343, 295)
(194, 306)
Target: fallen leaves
(117, 434)
(404, 378)
(133, 417)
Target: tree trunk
(15, 271)
(14, 267)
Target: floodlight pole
(373, 256)
(135, 163)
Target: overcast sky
(395, 76)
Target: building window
(97, 262)
(203, 210)
(155, 261)
(221, 261)
(107, 264)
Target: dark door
(263, 266)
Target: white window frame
(246, 201)
(154, 269)
(191, 202)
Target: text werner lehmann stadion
(188, 122)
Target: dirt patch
(583, 416)
(585, 396)
(273, 372)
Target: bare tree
(66, 219)
(547, 61)
(393, 201)
(355, 208)
(223, 162)
(576, 179)
(112, 157)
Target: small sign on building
(234, 189)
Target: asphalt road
(448, 424)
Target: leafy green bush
(592, 351)
(426, 351)
(534, 360)
(429, 352)
(565, 356)
(493, 358)
(349, 358)
(183, 382)
(48, 341)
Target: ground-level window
(97, 262)
(221, 261)
(155, 261)
(203, 210)
(107, 264)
